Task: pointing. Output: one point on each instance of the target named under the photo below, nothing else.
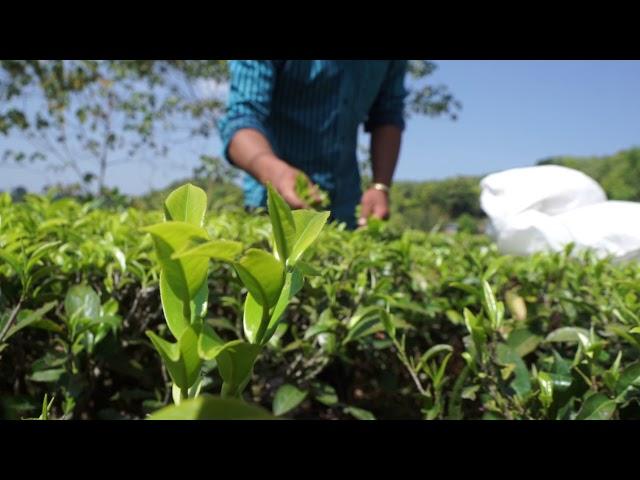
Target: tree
(618, 174)
(87, 115)
(426, 98)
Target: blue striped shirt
(310, 111)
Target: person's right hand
(250, 150)
(282, 177)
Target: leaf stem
(263, 325)
(405, 361)
(12, 319)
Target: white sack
(546, 207)
(609, 228)
(549, 189)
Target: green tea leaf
(304, 191)
(284, 228)
(173, 308)
(170, 353)
(252, 317)
(507, 356)
(120, 258)
(309, 224)
(359, 413)
(567, 334)
(262, 274)
(207, 407)
(198, 304)
(27, 318)
(477, 332)
(629, 378)
(368, 322)
(388, 324)
(184, 276)
(432, 352)
(235, 364)
(597, 407)
(39, 252)
(292, 285)
(623, 332)
(546, 389)
(224, 250)
(490, 305)
(209, 343)
(82, 302)
(287, 398)
(12, 261)
(307, 270)
(523, 341)
(189, 355)
(181, 358)
(186, 204)
(325, 394)
(464, 287)
(47, 376)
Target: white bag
(608, 228)
(546, 207)
(549, 189)
(529, 232)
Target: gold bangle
(380, 186)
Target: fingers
(374, 204)
(366, 209)
(315, 192)
(312, 190)
(284, 181)
(381, 210)
(289, 195)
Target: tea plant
(184, 248)
(313, 196)
(387, 324)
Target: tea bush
(387, 324)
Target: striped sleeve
(388, 107)
(250, 95)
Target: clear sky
(517, 112)
(514, 113)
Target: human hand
(374, 203)
(289, 182)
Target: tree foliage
(618, 174)
(87, 115)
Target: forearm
(385, 148)
(251, 151)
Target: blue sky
(517, 112)
(514, 113)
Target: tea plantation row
(390, 325)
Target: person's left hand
(374, 202)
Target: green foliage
(287, 398)
(434, 204)
(316, 199)
(108, 110)
(208, 407)
(617, 174)
(374, 323)
(426, 98)
(183, 248)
